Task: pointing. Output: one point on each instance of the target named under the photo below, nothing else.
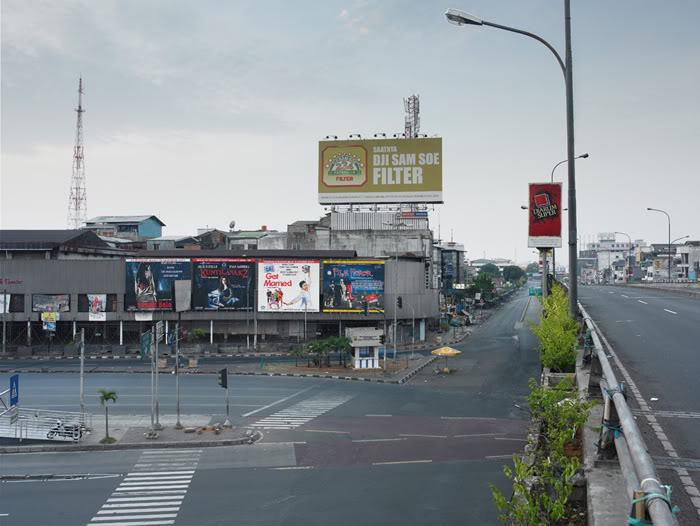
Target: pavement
(652, 338)
(356, 452)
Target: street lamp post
(669, 237)
(551, 180)
(626, 257)
(458, 17)
(395, 226)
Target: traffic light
(223, 378)
(381, 339)
(399, 302)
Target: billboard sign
(50, 302)
(48, 320)
(149, 283)
(380, 171)
(288, 286)
(544, 215)
(223, 284)
(348, 284)
(97, 304)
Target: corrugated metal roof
(250, 234)
(254, 253)
(121, 219)
(49, 239)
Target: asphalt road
(656, 336)
(350, 452)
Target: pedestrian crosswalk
(152, 493)
(302, 412)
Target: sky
(206, 112)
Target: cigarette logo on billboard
(544, 208)
(347, 167)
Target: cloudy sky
(207, 112)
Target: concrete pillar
(211, 331)
(121, 332)
(75, 328)
(166, 332)
(29, 333)
(421, 324)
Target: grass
(108, 440)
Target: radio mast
(412, 125)
(77, 202)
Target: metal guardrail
(45, 424)
(648, 495)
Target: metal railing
(619, 429)
(45, 424)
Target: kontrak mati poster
(288, 286)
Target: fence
(43, 424)
(619, 430)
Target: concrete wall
(150, 228)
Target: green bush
(557, 332)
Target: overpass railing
(649, 498)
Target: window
(110, 302)
(156, 246)
(12, 302)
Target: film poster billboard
(544, 211)
(223, 284)
(51, 302)
(149, 283)
(380, 171)
(97, 307)
(348, 284)
(288, 286)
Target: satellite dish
(232, 225)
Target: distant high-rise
(412, 123)
(77, 202)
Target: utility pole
(178, 425)
(5, 310)
(159, 328)
(82, 370)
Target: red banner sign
(544, 215)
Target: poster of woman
(222, 284)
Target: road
(355, 452)
(656, 336)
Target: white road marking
(293, 467)
(135, 510)
(279, 401)
(137, 523)
(377, 415)
(378, 439)
(625, 296)
(301, 412)
(421, 436)
(132, 517)
(645, 303)
(610, 292)
(499, 456)
(467, 418)
(478, 435)
(144, 504)
(514, 439)
(672, 312)
(144, 473)
(326, 431)
(401, 462)
(168, 477)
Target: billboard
(149, 283)
(222, 284)
(97, 304)
(50, 302)
(380, 171)
(288, 286)
(348, 284)
(544, 211)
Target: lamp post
(458, 17)
(669, 237)
(551, 180)
(395, 226)
(630, 246)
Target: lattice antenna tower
(412, 107)
(77, 202)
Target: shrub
(557, 332)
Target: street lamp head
(524, 207)
(584, 156)
(461, 18)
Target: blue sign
(14, 390)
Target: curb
(132, 445)
(672, 290)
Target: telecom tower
(412, 107)
(77, 203)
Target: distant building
(172, 243)
(689, 260)
(134, 228)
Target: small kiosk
(365, 342)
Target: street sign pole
(82, 370)
(152, 432)
(178, 425)
(228, 421)
(159, 328)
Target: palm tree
(106, 396)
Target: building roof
(305, 222)
(252, 253)
(250, 234)
(171, 238)
(116, 240)
(121, 219)
(63, 240)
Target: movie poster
(51, 302)
(288, 286)
(347, 285)
(149, 283)
(97, 307)
(223, 284)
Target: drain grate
(668, 462)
